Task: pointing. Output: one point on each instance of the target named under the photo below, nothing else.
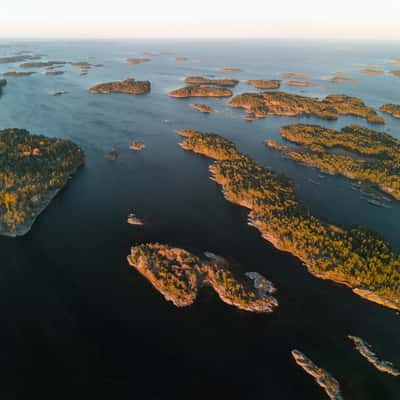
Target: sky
(353, 19)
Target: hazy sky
(377, 19)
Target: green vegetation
(200, 91)
(178, 275)
(199, 80)
(392, 109)
(261, 105)
(32, 169)
(380, 165)
(129, 86)
(356, 257)
(262, 84)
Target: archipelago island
(200, 80)
(264, 104)
(201, 107)
(392, 109)
(178, 275)
(372, 157)
(355, 257)
(33, 169)
(128, 86)
(200, 91)
(264, 84)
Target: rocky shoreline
(178, 275)
(322, 377)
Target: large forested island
(354, 257)
(33, 169)
(178, 275)
(201, 91)
(261, 105)
(200, 80)
(392, 109)
(372, 157)
(128, 86)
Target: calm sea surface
(77, 322)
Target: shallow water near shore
(78, 321)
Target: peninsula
(322, 377)
(261, 105)
(201, 107)
(129, 86)
(199, 80)
(366, 351)
(264, 84)
(178, 275)
(33, 169)
(354, 257)
(201, 91)
(372, 157)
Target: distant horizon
(309, 19)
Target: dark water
(77, 322)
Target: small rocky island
(341, 79)
(18, 74)
(42, 64)
(3, 83)
(355, 257)
(139, 60)
(392, 109)
(372, 71)
(261, 105)
(201, 107)
(264, 84)
(200, 80)
(322, 377)
(371, 157)
(200, 91)
(299, 83)
(54, 73)
(128, 86)
(178, 275)
(136, 146)
(293, 75)
(366, 351)
(230, 69)
(396, 73)
(33, 169)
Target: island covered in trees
(178, 275)
(371, 157)
(201, 91)
(392, 109)
(355, 257)
(128, 86)
(200, 80)
(33, 169)
(261, 105)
